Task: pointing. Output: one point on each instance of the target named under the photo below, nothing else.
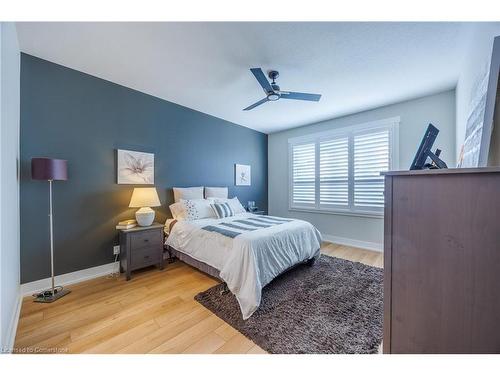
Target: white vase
(145, 216)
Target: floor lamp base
(47, 297)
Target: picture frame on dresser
(481, 146)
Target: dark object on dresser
(424, 152)
(141, 247)
(442, 261)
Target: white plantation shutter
(334, 172)
(371, 156)
(339, 170)
(304, 174)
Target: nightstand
(141, 247)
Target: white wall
(475, 65)
(9, 181)
(416, 114)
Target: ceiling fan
(273, 92)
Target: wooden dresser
(442, 261)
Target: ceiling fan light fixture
(273, 96)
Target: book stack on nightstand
(127, 224)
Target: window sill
(374, 215)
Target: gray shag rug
(334, 306)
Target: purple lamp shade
(49, 169)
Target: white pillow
(178, 211)
(188, 193)
(196, 209)
(216, 192)
(234, 203)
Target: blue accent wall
(70, 115)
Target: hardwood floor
(153, 313)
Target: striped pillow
(222, 210)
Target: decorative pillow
(234, 203)
(188, 193)
(197, 209)
(222, 210)
(236, 206)
(216, 192)
(178, 211)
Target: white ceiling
(205, 66)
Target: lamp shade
(144, 197)
(49, 169)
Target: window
(339, 171)
(304, 174)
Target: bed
(246, 251)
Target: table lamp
(144, 198)
(50, 170)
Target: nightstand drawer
(145, 257)
(146, 239)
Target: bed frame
(203, 267)
(209, 270)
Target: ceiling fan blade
(301, 96)
(262, 101)
(259, 75)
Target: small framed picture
(242, 175)
(134, 167)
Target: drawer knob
(146, 240)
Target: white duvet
(250, 260)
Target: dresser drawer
(145, 257)
(146, 239)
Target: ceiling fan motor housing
(273, 74)
(274, 95)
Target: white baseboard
(68, 278)
(374, 246)
(11, 335)
(39, 285)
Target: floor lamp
(50, 170)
